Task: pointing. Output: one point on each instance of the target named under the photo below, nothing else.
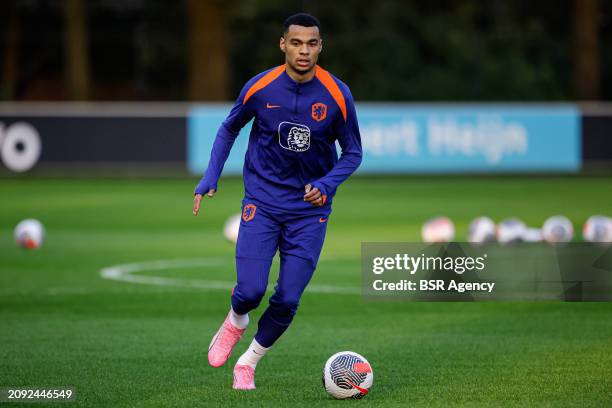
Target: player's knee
(253, 295)
(248, 297)
(286, 305)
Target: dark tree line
(386, 50)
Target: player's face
(301, 46)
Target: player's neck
(300, 77)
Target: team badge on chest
(319, 111)
(293, 136)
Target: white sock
(253, 354)
(239, 321)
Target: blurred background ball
(231, 227)
(511, 231)
(347, 375)
(481, 231)
(438, 230)
(30, 234)
(532, 235)
(557, 230)
(598, 228)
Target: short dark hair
(301, 19)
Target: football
(598, 228)
(347, 375)
(438, 230)
(533, 235)
(30, 234)
(511, 231)
(231, 227)
(557, 230)
(481, 231)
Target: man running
(291, 173)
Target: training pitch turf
(133, 344)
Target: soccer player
(291, 173)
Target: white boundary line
(125, 273)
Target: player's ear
(282, 44)
(321, 45)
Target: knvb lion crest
(248, 212)
(293, 136)
(319, 111)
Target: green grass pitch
(132, 345)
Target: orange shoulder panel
(331, 85)
(263, 82)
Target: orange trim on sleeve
(263, 82)
(331, 85)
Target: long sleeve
(349, 139)
(238, 117)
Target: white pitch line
(124, 273)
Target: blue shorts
(299, 238)
(263, 231)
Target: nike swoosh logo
(322, 219)
(272, 106)
(361, 390)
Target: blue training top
(292, 140)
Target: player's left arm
(349, 139)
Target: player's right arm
(242, 112)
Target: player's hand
(314, 196)
(197, 200)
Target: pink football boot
(244, 377)
(223, 343)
